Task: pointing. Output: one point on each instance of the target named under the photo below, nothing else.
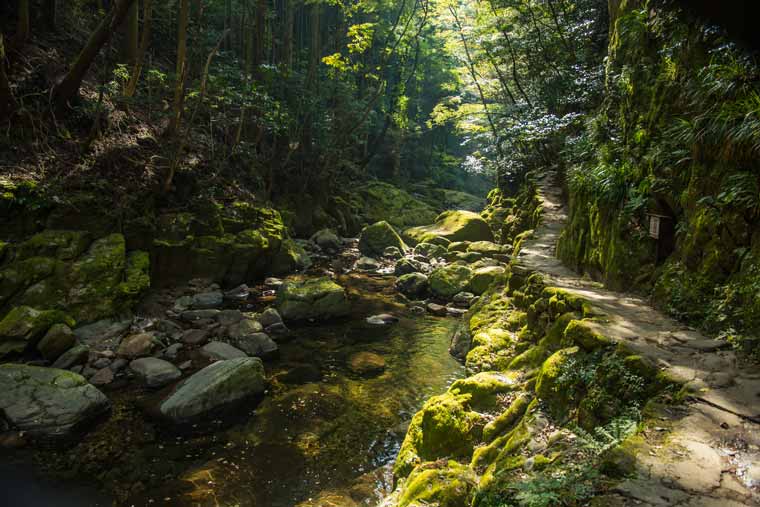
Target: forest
(385, 253)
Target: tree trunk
(288, 35)
(261, 11)
(227, 44)
(181, 68)
(69, 87)
(23, 25)
(138, 65)
(131, 29)
(50, 8)
(7, 102)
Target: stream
(322, 435)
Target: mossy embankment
(549, 412)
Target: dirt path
(705, 453)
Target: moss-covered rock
(444, 427)
(547, 383)
(383, 201)
(483, 278)
(316, 298)
(412, 284)
(58, 244)
(586, 335)
(449, 485)
(449, 280)
(290, 257)
(484, 387)
(377, 237)
(24, 326)
(455, 225)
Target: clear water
(321, 436)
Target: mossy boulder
(290, 257)
(57, 340)
(48, 402)
(103, 281)
(449, 280)
(430, 250)
(444, 427)
(316, 298)
(383, 201)
(377, 237)
(412, 284)
(24, 326)
(586, 335)
(488, 248)
(454, 225)
(484, 387)
(444, 485)
(483, 278)
(548, 388)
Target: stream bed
(322, 435)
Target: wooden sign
(654, 226)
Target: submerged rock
(221, 385)
(383, 319)
(48, 402)
(154, 372)
(454, 225)
(366, 363)
(377, 237)
(317, 298)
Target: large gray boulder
(317, 298)
(221, 385)
(48, 402)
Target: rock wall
(677, 136)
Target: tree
(23, 24)
(183, 19)
(68, 88)
(7, 102)
(132, 35)
(134, 77)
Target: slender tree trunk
(69, 87)
(134, 77)
(227, 44)
(7, 102)
(23, 24)
(50, 8)
(261, 11)
(288, 35)
(131, 29)
(181, 66)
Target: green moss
(547, 383)
(383, 201)
(444, 427)
(454, 226)
(484, 387)
(507, 419)
(24, 326)
(449, 485)
(377, 237)
(583, 333)
(449, 280)
(63, 245)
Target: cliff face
(678, 136)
